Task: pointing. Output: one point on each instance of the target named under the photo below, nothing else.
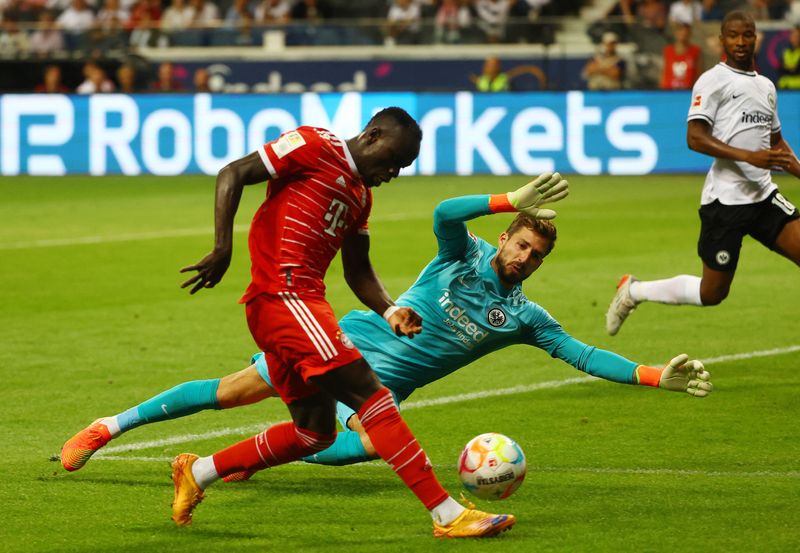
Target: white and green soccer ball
(492, 466)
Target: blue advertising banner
(623, 133)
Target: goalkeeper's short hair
(543, 228)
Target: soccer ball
(492, 466)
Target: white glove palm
(544, 189)
(684, 375)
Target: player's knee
(318, 442)
(229, 394)
(368, 447)
(713, 296)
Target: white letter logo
(55, 133)
(335, 216)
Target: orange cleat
(474, 524)
(79, 448)
(187, 493)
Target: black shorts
(722, 228)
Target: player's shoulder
(714, 77)
(528, 311)
(479, 247)
(765, 83)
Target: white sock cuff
(205, 472)
(113, 426)
(447, 511)
(678, 290)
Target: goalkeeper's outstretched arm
(681, 374)
(450, 215)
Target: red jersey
(315, 197)
(680, 70)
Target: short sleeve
(705, 98)
(361, 225)
(776, 122)
(291, 153)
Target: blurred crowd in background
(108, 36)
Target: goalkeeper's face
(519, 255)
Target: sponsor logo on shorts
(723, 257)
(345, 340)
(496, 317)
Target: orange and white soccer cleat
(622, 305)
(474, 524)
(187, 493)
(79, 448)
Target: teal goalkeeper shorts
(343, 412)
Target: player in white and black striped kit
(734, 118)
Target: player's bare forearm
(230, 182)
(793, 166)
(699, 139)
(360, 275)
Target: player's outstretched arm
(368, 288)
(681, 374)
(230, 182)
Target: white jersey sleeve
(776, 123)
(706, 97)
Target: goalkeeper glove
(680, 375)
(544, 189)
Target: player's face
(739, 42)
(519, 255)
(388, 149)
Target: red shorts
(300, 338)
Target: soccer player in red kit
(318, 201)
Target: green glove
(544, 189)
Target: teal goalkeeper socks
(346, 450)
(184, 399)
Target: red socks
(278, 444)
(394, 442)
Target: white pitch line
(251, 428)
(533, 469)
(751, 354)
(521, 389)
(157, 235)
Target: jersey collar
(739, 71)
(350, 160)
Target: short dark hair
(400, 117)
(736, 15)
(543, 228)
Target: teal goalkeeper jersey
(466, 313)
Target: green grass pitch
(92, 321)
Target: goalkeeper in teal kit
(471, 301)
